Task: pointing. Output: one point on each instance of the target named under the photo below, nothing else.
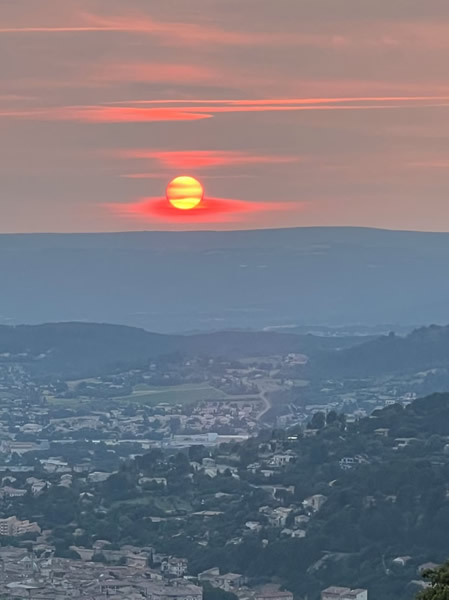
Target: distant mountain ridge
(423, 349)
(84, 349)
(87, 349)
(180, 281)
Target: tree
(197, 453)
(181, 463)
(331, 417)
(318, 420)
(439, 584)
(214, 593)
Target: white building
(13, 527)
(10, 492)
(54, 465)
(278, 517)
(315, 502)
(174, 566)
(98, 476)
(343, 593)
(280, 460)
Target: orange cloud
(210, 210)
(137, 112)
(196, 159)
(175, 33)
(362, 31)
(106, 114)
(172, 33)
(126, 114)
(287, 103)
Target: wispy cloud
(286, 102)
(172, 33)
(369, 34)
(105, 114)
(198, 159)
(194, 110)
(175, 33)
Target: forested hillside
(424, 348)
(368, 502)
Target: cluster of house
(235, 582)
(212, 468)
(37, 485)
(238, 415)
(363, 399)
(227, 582)
(343, 593)
(292, 520)
(41, 576)
(41, 427)
(204, 417)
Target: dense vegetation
(424, 348)
(393, 504)
(438, 580)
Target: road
(266, 386)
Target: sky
(289, 112)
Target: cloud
(325, 34)
(153, 72)
(194, 110)
(126, 114)
(169, 32)
(210, 210)
(106, 114)
(176, 33)
(198, 159)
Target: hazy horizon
(234, 229)
(180, 281)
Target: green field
(188, 393)
(178, 394)
(70, 403)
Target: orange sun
(184, 192)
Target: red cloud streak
(135, 112)
(125, 114)
(210, 210)
(196, 159)
(174, 33)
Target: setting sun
(184, 192)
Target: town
(118, 485)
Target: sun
(184, 192)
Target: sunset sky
(299, 112)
